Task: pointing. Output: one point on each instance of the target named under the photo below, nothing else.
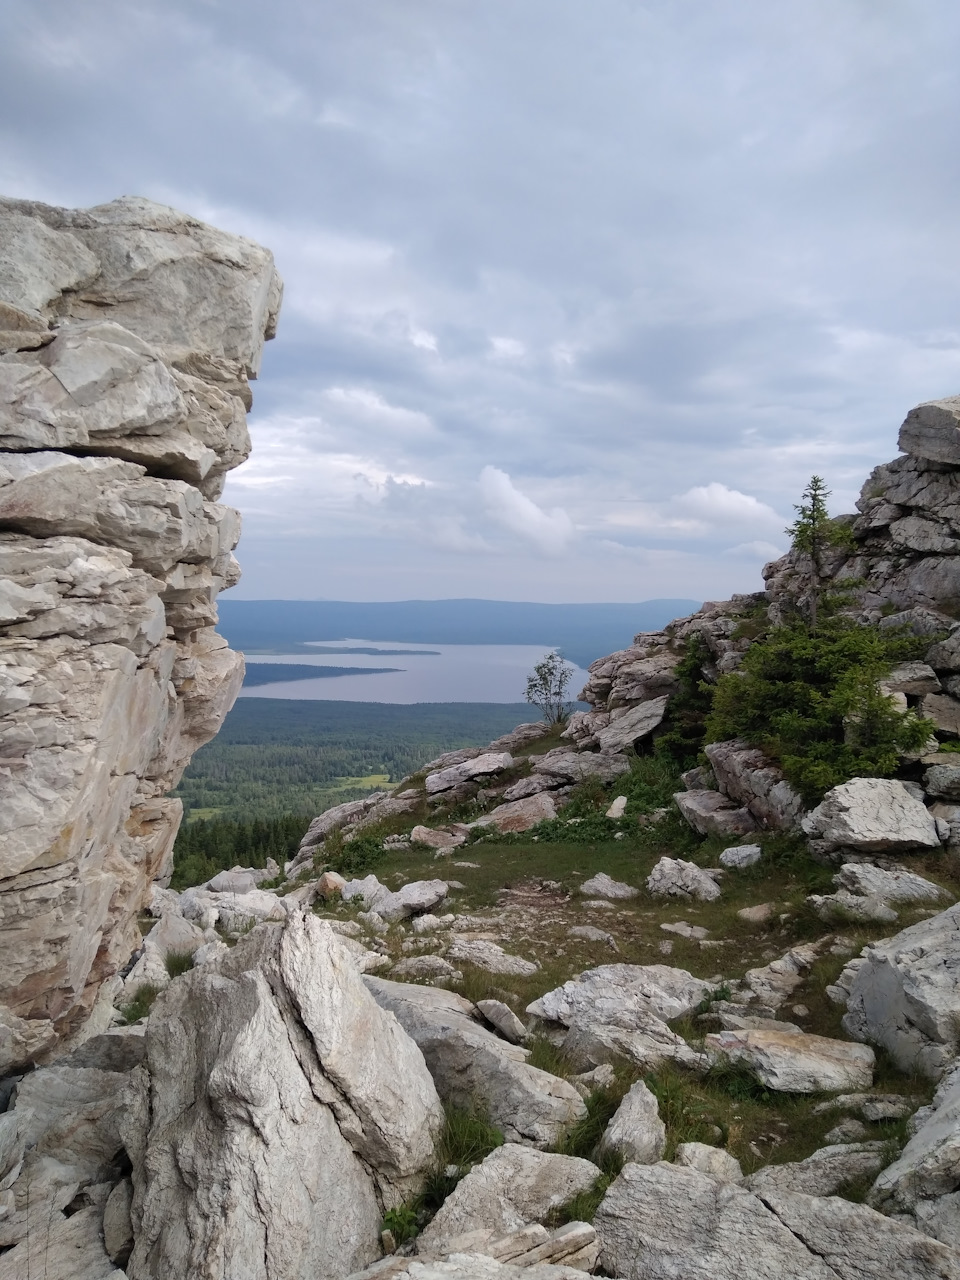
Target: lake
(447, 673)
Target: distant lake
(443, 673)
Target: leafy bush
(680, 737)
(811, 702)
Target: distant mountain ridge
(582, 632)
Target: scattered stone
(748, 777)
(824, 1173)
(847, 1131)
(615, 993)
(241, 1117)
(513, 1187)
(602, 886)
(435, 839)
(635, 1131)
(714, 1161)
(602, 1077)
(795, 1063)
(573, 766)
(674, 878)
(431, 968)
(330, 884)
(872, 815)
(588, 933)
(774, 983)
(502, 1017)
(741, 855)
(759, 914)
(684, 930)
(231, 882)
(618, 808)
(848, 906)
(429, 923)
(599, 904)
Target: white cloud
(759, 550)
(362, 407)
(715, 506)
(551, 531)
(508, 348)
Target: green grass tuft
(178, 962)
(141, 1003)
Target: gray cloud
(578, 295)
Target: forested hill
(583, 632)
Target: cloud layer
(578, 296)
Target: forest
(277, 763)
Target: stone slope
(128, 335)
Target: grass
(178, 962)
(466, 1139)
(141, 1004)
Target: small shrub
(141, 1003)
(738, 1081)
(402, 1222)
(178, 962)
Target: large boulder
(905, 994)
(274, 1164)
(674, 878)
(635, 1130)
(468, 771)
(872, 815)
(520, 814)
(627, 727)
(824, 1173)
(470, 1064)
(663, 1222)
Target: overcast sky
(579, 293)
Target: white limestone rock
(511, 1188)
(616, 993)
(469, 1064)
(343, 1098)
(748, 777)
(674, 878)
(522, 814)
(725, 1232)
(602, 886)
(714, 1161)
(712, 814)
(897, 885)
(905, 993)
(626, 727)
(792, 1062)
(573, 766)
(468, 770)
(925, 1172)
(437, 839)
(872, 815)
(503, 1019)
(741, 855)
(491, 957)
(824, 1173)
(635, 1130)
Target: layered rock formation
(128, 336)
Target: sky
(579, 293)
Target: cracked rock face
(128, 334)
(280, 1113)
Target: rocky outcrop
(128, 335)
(280, 1112)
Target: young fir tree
(812, 534)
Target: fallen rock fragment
(674, 878)
(791, 1062)
(520, 815)
(635, 1131)
(470, 1064)
(466, 771)
(824, 1173)
(714, 1161)
(713, 814)
(502, 1017)
(513, 1187)
(741, 855)
(602, 886)
(489, 956)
